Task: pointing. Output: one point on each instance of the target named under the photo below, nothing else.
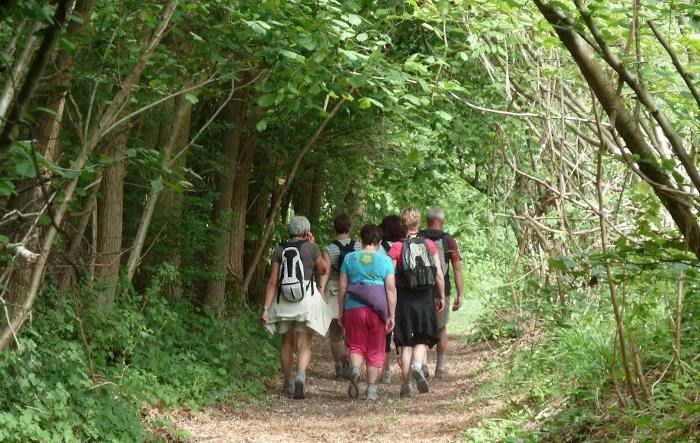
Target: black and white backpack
(292, 284)
(417, 264)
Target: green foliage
(145, 351)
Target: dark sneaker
(299, 389)
(440, 373)
(289, 388)
(421, 382)
(354, 388)
(372, 394)
(406, 391)
(426, 373)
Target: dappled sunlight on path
(328, 415)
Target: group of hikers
(393, 283)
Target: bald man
(448, 250)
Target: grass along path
(329, 415)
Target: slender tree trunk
(625, 123)
(182, 119)
(110, 210)
(239, 208)
(276, 203)
(18, 71)
(107, 119)
(77, 240)
(9, 133)
(316, 197)
(215, 295)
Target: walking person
(366, 304)
(294, 306)
(448, 252)
(334, 254)
(418, 272)
(392, 231)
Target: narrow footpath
(329, 415)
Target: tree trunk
(215, 295)
(77, 240)
(316, 198)
(277, 200)
(106, 119)
(605, 90)
(9, 133)
(239, 206)
(110, 210)
(170, 144)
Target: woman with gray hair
(294, 307)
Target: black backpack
(344, 250)
(417, 264)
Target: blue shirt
(365, 268)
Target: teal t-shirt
(365, 268)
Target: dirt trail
(329, 415)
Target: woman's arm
(322, 267)
(323, 279)
(439, 282)
(270, 290)
(342, 288)
(390, 285)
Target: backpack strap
(385, 244)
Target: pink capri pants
(365, 335)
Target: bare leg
(303, 340)
(405, 363)
(337, 350)
(419, 354)
(287, 353)
(372, 374)
(442, 344)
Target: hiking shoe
(299, 389)
(288, 389)
(406, 391)
(421, 382)
(440, 372)
(386, 377)
(372, 394)
(426, 373)
(354, 388)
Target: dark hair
(342, 224)
(371, 235)
(392, 229)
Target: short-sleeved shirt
(309, 252)
(365, 268)
(334, 254)
(395, 254)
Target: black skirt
(416, 322)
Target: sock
(418, 366)
(301, 375)
(441, 361)
(355, 371)
(371, 387)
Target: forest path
(329, 415)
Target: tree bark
(96, 134)
(316, 198)
(624, 121)
(182, 119)
(215, 295)
(110, 210)
(16, 74)
(9, 133)
(239, 207)
(276, 203)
